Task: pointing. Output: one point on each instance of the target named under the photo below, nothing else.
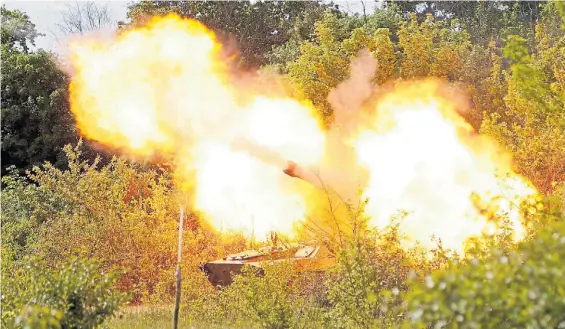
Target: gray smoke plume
(340, 169)
(348, 97)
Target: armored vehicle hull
(305, 258)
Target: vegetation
(75, 294)
(271, 22)
(82, 236)
(471, 296)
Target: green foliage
(76, 294)
(528, 79)
(320, 67)
(36, 118)
(384, 54)
(36, 121)
(372, 273)
(509, 58)
(484, 81)
(356, 295)
(516, 289)
(39, 317)
(17, 30)
(256, 26)
(485, 21)
(560, 8)
(122, 213)
(324, 62)
(431, 49)
(532, 127)
(256, 301)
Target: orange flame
(165, 89)
(424, 159)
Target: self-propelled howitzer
(304, 257)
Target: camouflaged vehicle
(313, 257)
(305, 257)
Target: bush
(372, 272)
(270, 301)
(522, 288)
(77, 294)
(38, 317)
(123, 213)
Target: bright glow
(424, 159)
(164, 89)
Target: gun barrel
(292, 170)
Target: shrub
(77, 294)
(123, 213)
(522, 288)
(38, 317)
(270, 301)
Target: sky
(46, 14)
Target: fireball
(165, 89)
(424, 160)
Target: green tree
(122, 213)
(36, 120)
(533, 126)
(385, 56)
(324, 62)
(257, 27)
(341, 26)
(432, 48)
(303, 31)
(485, 21)
(17, 30)
(485, 82)
(320, 67)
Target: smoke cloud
(339, 169)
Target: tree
(323, 63)
(121, 213)
(320, 67)
(384, 54)
(484, 20)
(256, 27)
(17, 31)
(84, 17)
(485, 82)
(36, 121)
(432, 48)
(532, 128)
